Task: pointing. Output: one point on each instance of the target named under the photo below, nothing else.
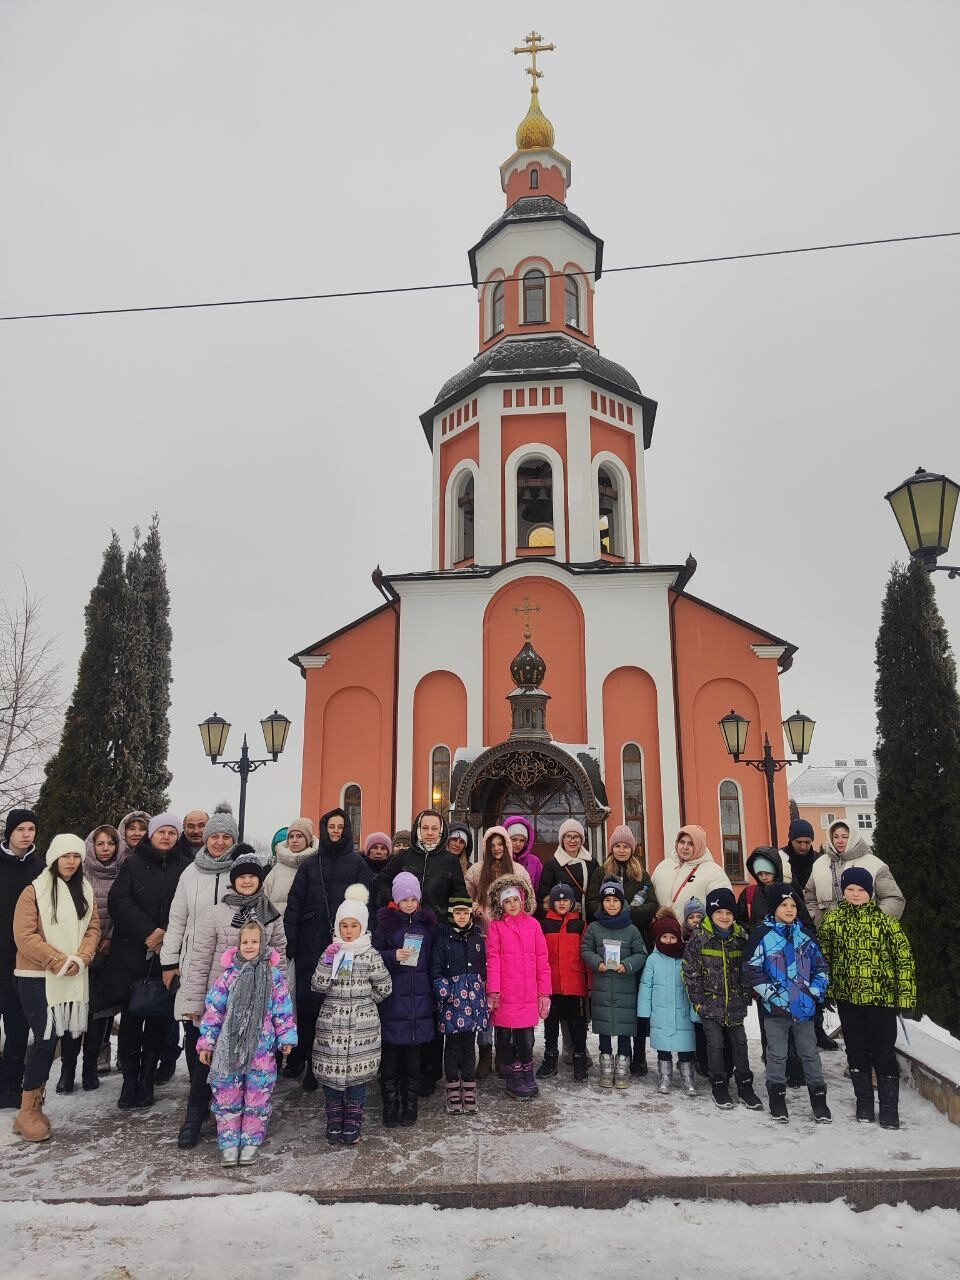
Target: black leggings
(684, 1056)
(140, 1042)
(460, 1056)
(623, 1045)
(514, 1044)
(568, 1009)
(400, 1060)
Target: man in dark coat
(799, 852)
(317, 891)
(20, 864)
(193, 839)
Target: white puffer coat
(197, 893)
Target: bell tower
(538, 444)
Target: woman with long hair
(495, 860)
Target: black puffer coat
(317, 891)
(138, 902)
(439, 872)
(15, 874)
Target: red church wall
(717, 672)
(605, 438)
(465, 445)
(348, 722)
(439, 718)
(559, 638)
(534, 428)
(630, 715)
(551, 183)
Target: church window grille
(534, 298)
(535, 526)
(731, 829)
(463, 515)
(440, 779)
(632, 767)
(353, 806)
(608, 501)
(571, 302)
(859, 789)
(497, 307)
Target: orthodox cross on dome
(534, 131)
(526, 608)
(531, 47)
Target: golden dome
(534, 132)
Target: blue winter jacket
(786, 968)
(458, 970)
(407, 1014)
(663, 999)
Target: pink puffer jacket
(518, 966)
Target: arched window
(496, 308)
(731, 828)
(353, 804)
(632, 765)
(571, 301)
(859, 789)
(463, 517)
(535, 504)
(534, 297)
(608, 498)
(534, 178)
(440, 779)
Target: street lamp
(799, 732)
(214, 732)
(925, 505)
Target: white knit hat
(353, 907)
(62, 844)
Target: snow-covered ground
(281, 1236)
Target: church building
(542, 664)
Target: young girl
(693, 914)
(495, 861)
(403, 937)
(563, 928)
(663, 999)
(458, 969)
(872, 980)
(613, 948)
(518, 980)
(248, 1015)
(346, 1051)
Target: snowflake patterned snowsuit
(241, 1103)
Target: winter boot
(745, 1092)
(294, 1070)
(484, 1061)
(468, 1094)
(528, 1081)
(454, 1098)
(621, 1072)
(888, 1095)
(606, 1070)
(424, 1085)
(248, 1154)
(229, 1157)
(548, 1067)
(390, 1096)
(513, 1075)
(863, 1089)
(580, 1066)
(687, 1081)
(335, 1122)
(409, 1101)
(721, 1094)
(103, 1058)
(30, 1122)
(91, 1049)
(352, 1123)
(777, 1093)
(818, 1102)
(128, 1092)
(193, 1122)
(145, 1083)
(638, 1062)
(310, 1082)
(165, 1071)
(69, 1053)
(665, 1072)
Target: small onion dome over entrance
(528, 669)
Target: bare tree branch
(30, 707)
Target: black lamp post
(925, 505)
(799, 731)
(214, 732)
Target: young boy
(872, 980)
(752, 903)
(563, 929)
(693, 914)
(712, 971)
(787, 970)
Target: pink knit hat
(623, 835)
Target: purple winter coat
(528, 859)
(407, 1014)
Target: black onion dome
(528, 669)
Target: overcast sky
(189, 151)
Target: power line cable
(464, 284)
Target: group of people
(419, 960)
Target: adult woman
(139, 904)
(521, 834)
(201, 886)
(688, 872)
(132, 830)
(840, 853)
(495, 861)
(317, 891)
(102, 863)
(570, 864)
(56, 929)
(460, 844)
(291, 854)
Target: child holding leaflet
(613, 948)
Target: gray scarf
(243, 1021)
(212, 866)
(251, 906)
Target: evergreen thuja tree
(918, 766)
(86, 780)
(159, 640)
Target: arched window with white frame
(631, 763)
(440, 779)
(534, 178)
(535, 527)
(859, 788)
(613, 532)
(608, 502)
(571, 301)
(463, 516)
(497, 304)
(534, 297)
(731, 828)
(353, 807)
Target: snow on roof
(819, 784)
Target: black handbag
(149, 998)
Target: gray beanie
(221, 821)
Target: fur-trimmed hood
(508, 882)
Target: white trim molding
(313, 660)
(625, 500)
(452, 511)
(768, 651)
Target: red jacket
(568, 973)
